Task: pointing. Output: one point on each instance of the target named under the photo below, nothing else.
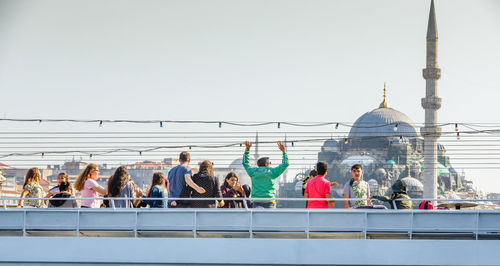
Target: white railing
(245, 201)
(250, 223)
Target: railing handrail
(251, 199)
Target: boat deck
(281, 236)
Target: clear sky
(245, 60)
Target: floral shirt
(34, 191)
(360, 190)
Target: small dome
(237, 164)
(440, 147)
(365, 161)
(372, 182)
(383, 122)
(380, 171)
(331, 143)
(416, 164)
(400, 140)
(413, 184)
(390, 162)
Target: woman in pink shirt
(89, 188)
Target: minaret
(431, 103)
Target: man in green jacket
(264, 176)
(399, 191)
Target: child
(61, 177)
(356, 188)
(89, 187)
(319, 187)
(158, 190)
(31, 189)
(64, 198)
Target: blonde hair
(32, 176)
(84, 175)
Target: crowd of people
(181, 187)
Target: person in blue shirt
(179, 178)
(157, 190)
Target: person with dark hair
(232, 189)
(264, 176)
(61, 177)
(313, 173)
(399, 191)
(121, 186)
(356, 188)
(158, 190)
(205, 178)
(179, 178)
(64, 198)
(319, 187)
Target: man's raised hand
(281, 146)
(248, 144)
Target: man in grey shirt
(356, 188)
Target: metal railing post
(24, 222)
(195, 224)
(477, 225)
(135, 225)
(245, 204)
(251, 224)
(78, 223)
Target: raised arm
(246, 158)
(277, 171)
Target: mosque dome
(383, 122)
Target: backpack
(425, 205)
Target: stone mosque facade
(385, 141)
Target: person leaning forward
(264, 176)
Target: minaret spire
(384, 103)
(431, 103)
(431, 26)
